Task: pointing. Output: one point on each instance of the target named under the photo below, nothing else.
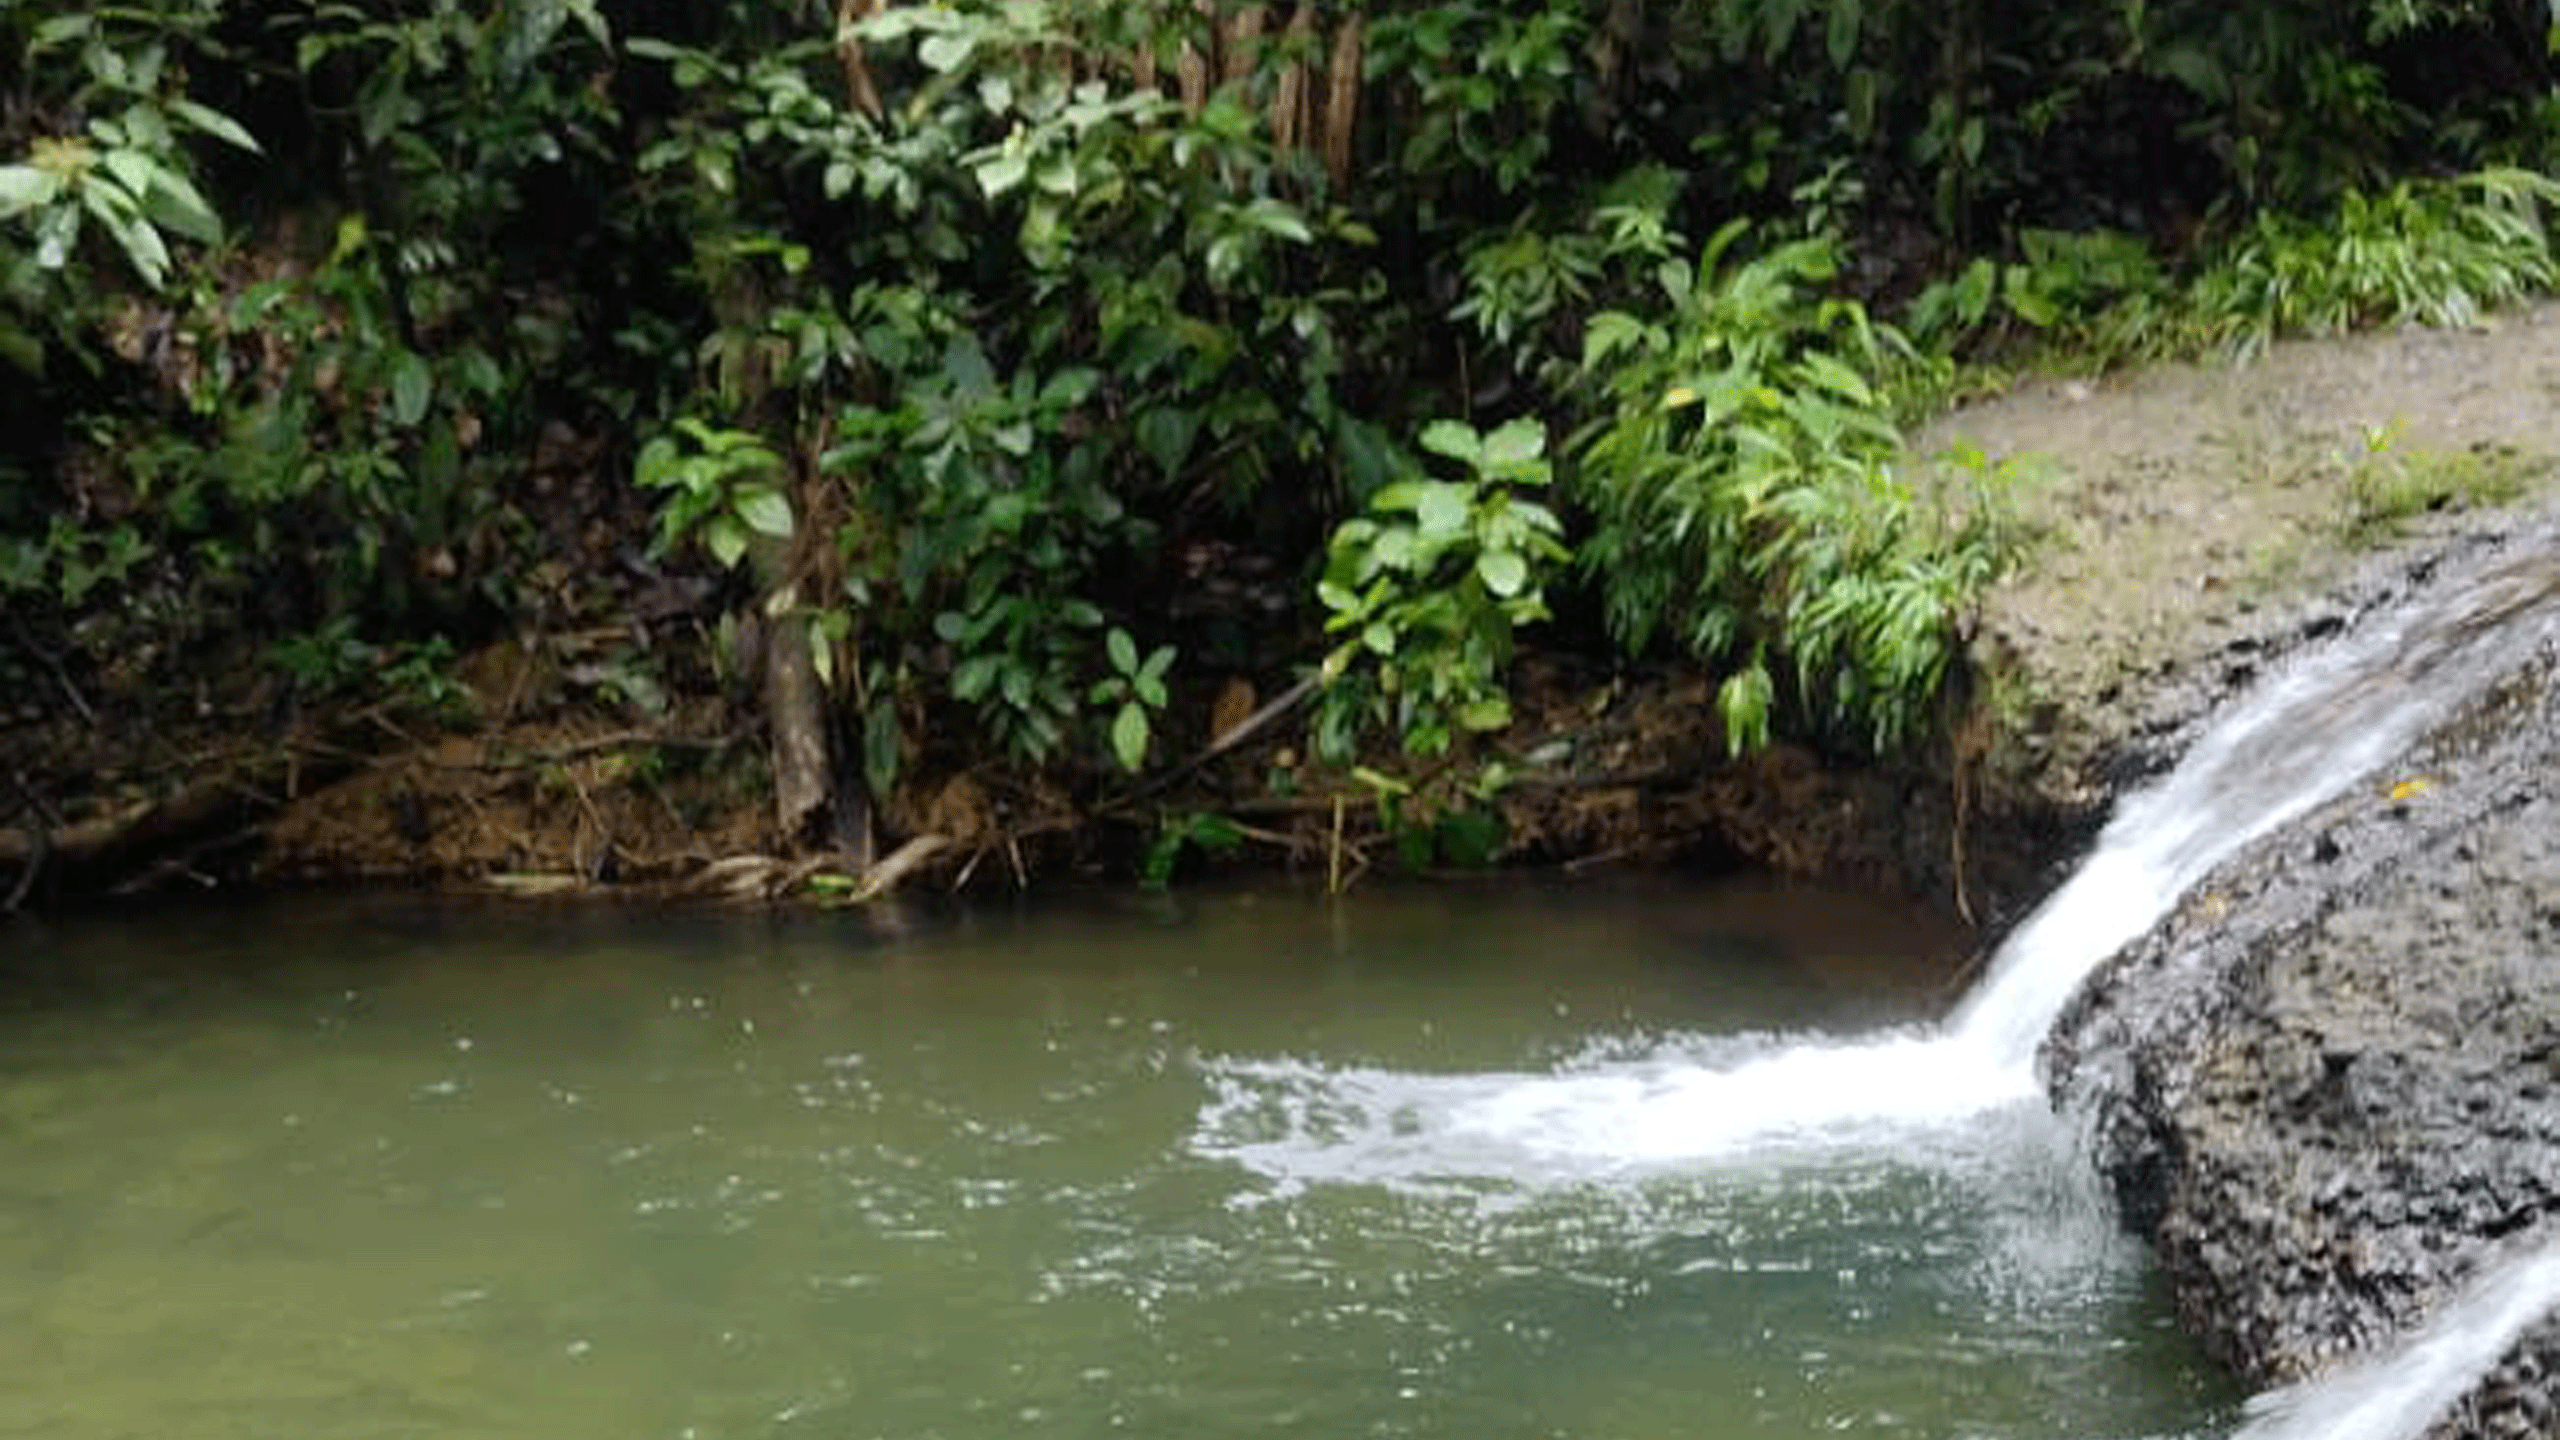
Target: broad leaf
(1453, 438)
(412, 386)
(1503, 572)
(1517, 444)
(946, 52)
(214, 123)
(1129, 736)
(726, 538)
(174, 203)
(1443, 510)
(764, 509)
(1002, 171)
(24, 187)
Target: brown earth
(2194, 515)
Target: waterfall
(2304, 735)
(2300, 739)
(2398, 1394)
(2315, 727)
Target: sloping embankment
(2329, 1086)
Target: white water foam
(2299, 740)
(2397, 1395)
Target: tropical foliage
(959, 349)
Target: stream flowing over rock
(2327, 1087)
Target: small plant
(326, 659)
(2096, 289)
(1429, 587)
(2389, 485)
(1176, 834)
(724, 486)
(1137, 687)
(125, 169)
(421, 676)
(1746, 476)
(2427, 252)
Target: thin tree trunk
(858, 84)
(1342, 101)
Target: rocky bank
(2328, 1086)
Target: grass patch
(2390, 486)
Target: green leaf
(1453, 438)
(1504, 572)
(216, 124)
(1002, 171)
(21, 350)
(822, 656)
(726, 538)
(1124, 651)
(412, 385)
(1274, 218)
(1743, 700)
(1516, 445)
(1057, 176)
(1442, 510)
(1403, 495)
(1839, 379)
(1129, 736)
(880, 749)
(764, 509)
(133, 170)
(141, 242)
(60, 29)
(658, 466)
(945, 52)
(1166, 433)
(971, 678)
(24, 187)
(174, 203)
(1492, 712)
(1840, 37)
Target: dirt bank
(2325, 1087)
(2196, 518)
(2194, 523)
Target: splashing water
(2397, 1395)
(2299, 740)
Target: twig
(1333, 853)
(574, 750)
(894, 868)
(41, 820)
(61, 677)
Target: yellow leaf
(1677, 396)
(2407, 788)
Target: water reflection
(408, 1169)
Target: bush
(1743, 475)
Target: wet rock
(2325, 1086)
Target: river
(388, 1167)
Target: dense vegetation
(962, 381)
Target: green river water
(385, 1167)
